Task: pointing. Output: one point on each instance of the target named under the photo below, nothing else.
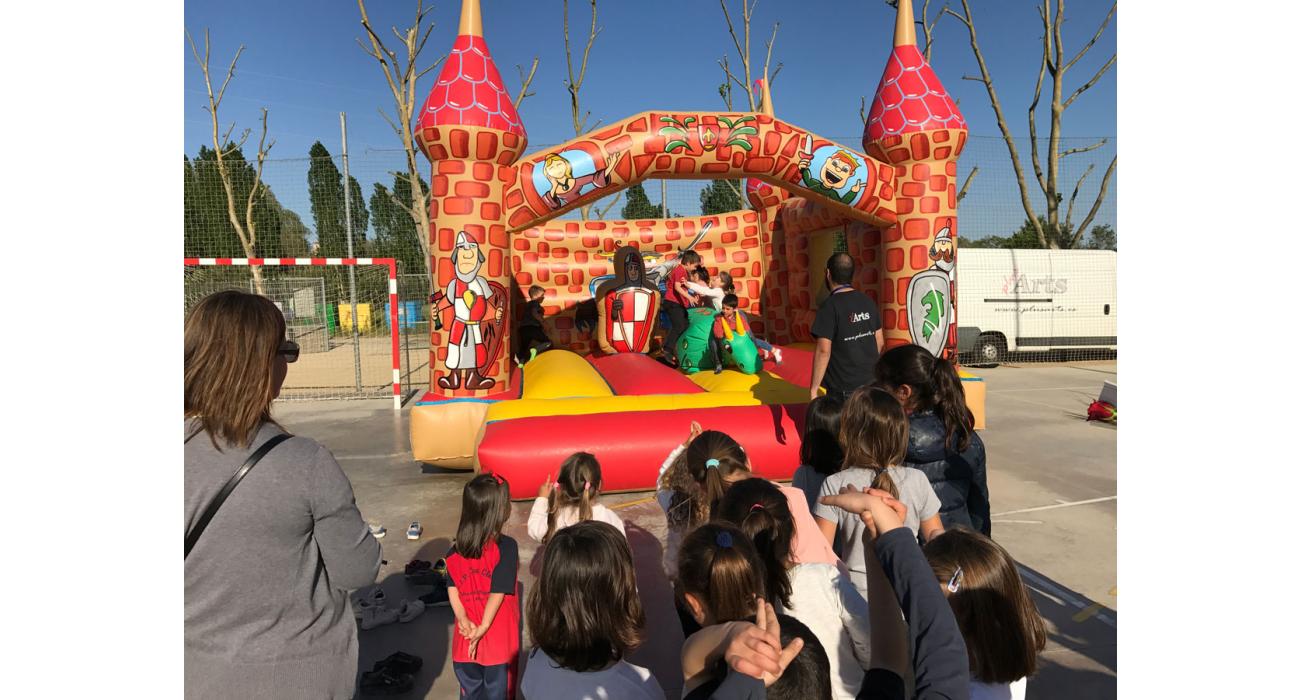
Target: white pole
(352, 269)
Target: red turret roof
(469, 91)
(910, 97)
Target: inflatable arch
(893, 205)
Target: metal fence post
(352, 270)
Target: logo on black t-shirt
(864, 316)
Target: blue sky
(302, 62)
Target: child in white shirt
(573, 497)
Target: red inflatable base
(632, 446)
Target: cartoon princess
(565, 188)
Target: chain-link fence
(346, 348)
(308, 209)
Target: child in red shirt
(483, 579)
(676, 298)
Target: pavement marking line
(1067, 504)
(1050, 388)
(1086, 608)
(639, 501)
(1036, 403)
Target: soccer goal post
(350, 341)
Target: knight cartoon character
(942, 251)
(834, 174)
(930, 295)
(627, 305)
(472, 338)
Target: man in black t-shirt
(847, 329)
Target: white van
(1029, 300)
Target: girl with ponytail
(695, 477)
(873, 433)
(572, 498)
(942, 442)
(816, 594)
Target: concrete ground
(1051, 474)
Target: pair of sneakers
(391, 676)
(371, 609)
(423, 573)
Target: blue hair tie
(711, 464)
(724, 539)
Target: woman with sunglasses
(268, 572)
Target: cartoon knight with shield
(930, 294)
(474, 340)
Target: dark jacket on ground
(959, 478)
(939, 659)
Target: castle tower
(766, 200)
(915, 126)
(470, 132)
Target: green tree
(638, 205)
(208, 229)
(360, 216)
(294, 235)
(1026, 237)
(325, 188)
(720, 196)
(1102, 238)
(397, 233)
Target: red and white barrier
(391, 263)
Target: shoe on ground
(378, 531)
(400, 662)
(414, 531)
(438, 597)
(373, 595)
(776, 352)
(377, 617)
(385, 682)
(717, 369)
(418, 567)
(410, 610)
(368, 600)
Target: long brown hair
(936, 386)
(717, 565)
(713, 460)
(1002, 628)
(760, 510)
(231, 342)
(484, 510)
(873, 432)
(585, 612)
(578, 486)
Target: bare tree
(927, 25)
(1057, 233)
(402, 77)
(245, 228)
(741, 42)
(574, 85)
(524, 82)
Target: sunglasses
(289, 350)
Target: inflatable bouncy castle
(892, 205)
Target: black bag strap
(253, 459)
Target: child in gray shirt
(873, 435)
